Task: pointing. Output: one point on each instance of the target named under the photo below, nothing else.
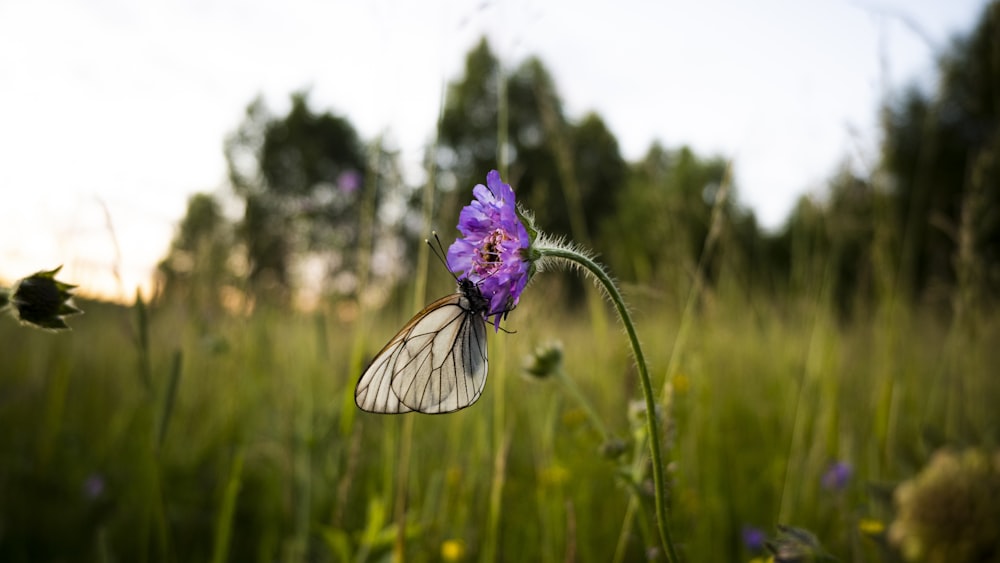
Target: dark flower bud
(546, 360)
(41, 301)
(613, 448)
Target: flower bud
(613, 448)
(796, 545)
(41, 301)
(637, 413)
(546, 360)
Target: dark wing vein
(437, 363)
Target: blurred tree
(467, 133)
(305, 183)
(853, 218)
(942, 153)
(691, 189)
(649, 240)
(196, 271)
(802, 247)
(665, 215)
(569, 175)
(268, 244)
(828, 245)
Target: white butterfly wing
(436, 364)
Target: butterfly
(436, 363)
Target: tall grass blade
(168, 399)
(227, 509)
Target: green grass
(251, 458)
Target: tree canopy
(314, 193)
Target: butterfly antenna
(440, 253)
(442, 256)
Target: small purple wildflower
(753, 538)
(93, 486)
(349, 181)
(836, 476)
(492, 252)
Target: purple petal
(492, 249)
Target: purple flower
(493, 251)
(93, 486)
(349, 181)
(837, 476)
(753, 538)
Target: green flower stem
(593, 268)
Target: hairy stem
(594, 269)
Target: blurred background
(114, 115)
(801, 202)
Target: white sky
(114, 112)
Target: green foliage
(925, 225)
(666, 215)
(941, 150)
(158, 435)
(311, 191)
(844, 245)
(252, 462)
(569, 174)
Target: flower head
(493, 250)
(349, 181)
(753, 538)
(949, 511)
(453, 550)
(837, 476)
(93, 486)
(40, 300)
(545, 360)
(612, 448)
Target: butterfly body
(436, 363)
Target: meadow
(152, 434)
(827, 392)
